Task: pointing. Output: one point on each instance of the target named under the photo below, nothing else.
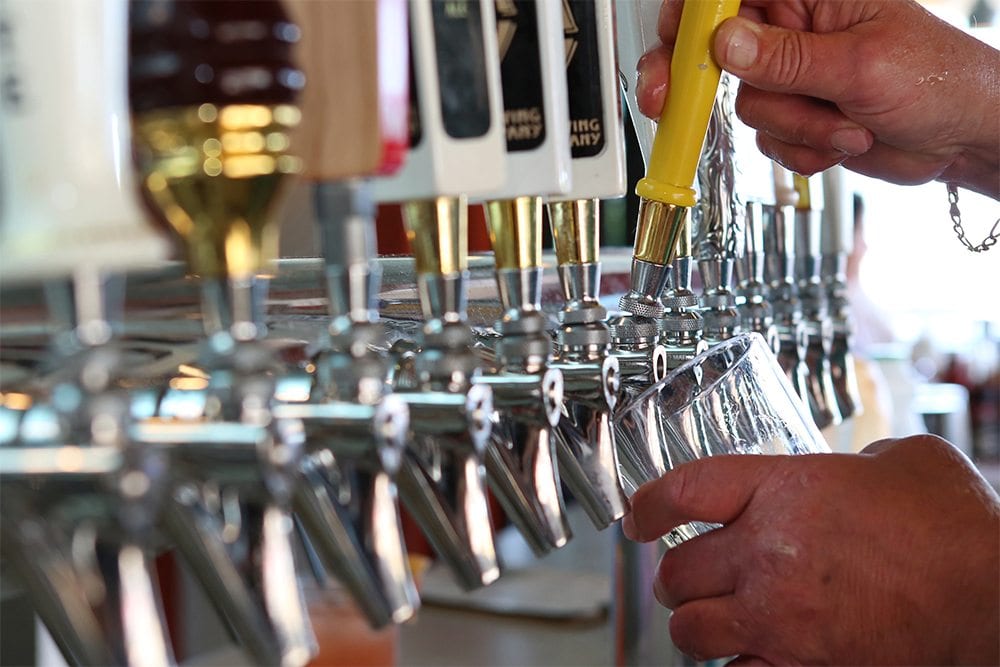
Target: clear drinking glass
(732, 399)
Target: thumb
(787, 61)
(715, 489)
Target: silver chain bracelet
(956, 219)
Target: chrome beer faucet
(443, 478)
(528, 394)
(456, 150)
(588, 456)
(812, 294)
(837, 243)
(347, 500)
(779, 271)
(81, 496)
(211, 147)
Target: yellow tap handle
(802, 188)
(694, 79)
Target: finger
(800, 159)
(879, 446)
(711, 628)
(670, 18)
(702, 567)
(771, 58)
(795, 119)
(714, 489)
(652, 81)
(898, 166)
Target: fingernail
(741, 45)
(851, 140)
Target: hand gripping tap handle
(666, 192)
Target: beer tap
(757, 184)
(212, 91)
(663, 232)
(837, 243)
(779, 271)
(719, 217)
(527, 394)
(456, 150)
(82, 497)
(356, 432)
(666, 193)
(587, 455)
(812, 293)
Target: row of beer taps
(193, 116)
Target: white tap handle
(597, 139)
(69, 198)
(531, 47)
(457, 136)
(754, 177)
(637, 33)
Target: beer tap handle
(438, 233)
(456, 129)
(531, 51)
(780, 232)
(70, 203)
(809, 212)
(212, 140)
(576, 236)
(666, 192)
(358, 48)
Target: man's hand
(890, 556)
(882, 87)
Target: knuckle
(684, 489)
(789, 61)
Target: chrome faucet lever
(51, 582)
(587, 453)
(442, 480)
(90, 578)
(239, 444)
(348, 501)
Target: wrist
(977, 165)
